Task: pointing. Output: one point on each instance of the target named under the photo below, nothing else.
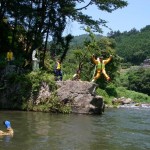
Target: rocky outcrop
(146, 63)
(81, 94)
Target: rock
(122, 101)
(44, 93)
(127, 101)
(81, 95)
(146, 63)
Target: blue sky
(135, 15)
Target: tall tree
(40, 18)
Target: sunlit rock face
(81, 94)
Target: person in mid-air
(100, 67)
(9, 130)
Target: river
(116, 129)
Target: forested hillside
(133, 46)
(78, 41)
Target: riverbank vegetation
(121, 79)
(24, 29)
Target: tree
(43, 18)
(80, 58)
(139, 80)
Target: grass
(123, 92)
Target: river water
(116, 129)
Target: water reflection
(5, 138)
(117, 129)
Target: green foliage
(139, 80)
(36, 78)
(26, 25)
(136, 96)
(117, 92)
(104, 94)
(5, 36)
(80, 58)
(32, 20)
(111, 90)
(27, 86)
(52, 105)
(133, 46)
(19, 91)
(122, 78)
(135, 78)
(78, 41)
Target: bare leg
(105, 75)
(97, 76)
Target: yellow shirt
(58, 66)
(9, 56)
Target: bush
(139, 80)
(135, 96)
(104, 94)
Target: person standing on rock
(35, 60)
(10, 57)
(100, 67)
(57, 70)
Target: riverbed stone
(122, 101)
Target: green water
(116, 129)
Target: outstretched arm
(94, 60)
(108, 60)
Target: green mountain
(133, 46)
(78, 41)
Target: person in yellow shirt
(10, 57)
(57, 70)
(100, 67)
(9, 130)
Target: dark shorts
(58, 73)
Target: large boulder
(81, 94)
